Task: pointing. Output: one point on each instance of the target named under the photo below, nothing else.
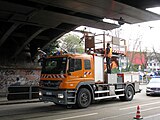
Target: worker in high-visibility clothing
(108, 54)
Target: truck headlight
(40, 93)
(60, 95)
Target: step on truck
(80, 79)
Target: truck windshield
(54, 65)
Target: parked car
(157, 73)
(150, 74)
(153, 87)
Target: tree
(135, 45)
(157, 55)
(51, 48)
(71, 43)
(147, 56)
(68, 42)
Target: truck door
(75, 70)
(88, 70)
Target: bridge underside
(28, 24)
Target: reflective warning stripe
(87, 73)
(53, 76)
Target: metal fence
(22, 92)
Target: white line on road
(151, 116)
(116, 116)
(150, 108)
(140, 105)
(78, 116)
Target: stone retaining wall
(18, 77)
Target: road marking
(78, 116)
(140, 105)
(150, 108)
(116, 116)
(111, 117)
(151, 116)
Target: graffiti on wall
(18, 77)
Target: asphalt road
(103, 110)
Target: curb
(19, 102)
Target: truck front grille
(50, 83)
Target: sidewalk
(4, 101)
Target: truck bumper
(58, 97)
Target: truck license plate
(48, 93)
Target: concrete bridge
(26, 25)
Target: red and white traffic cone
(138, 114)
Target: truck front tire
(129, 93)
(83, 98)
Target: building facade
(149, 60)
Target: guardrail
(22, 92)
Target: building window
(150, 64)
(122, 58)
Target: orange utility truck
(80, 79)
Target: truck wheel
(129, 93)
(83, 98)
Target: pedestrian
(41, 56)
(108, 54)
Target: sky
(148, 34)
